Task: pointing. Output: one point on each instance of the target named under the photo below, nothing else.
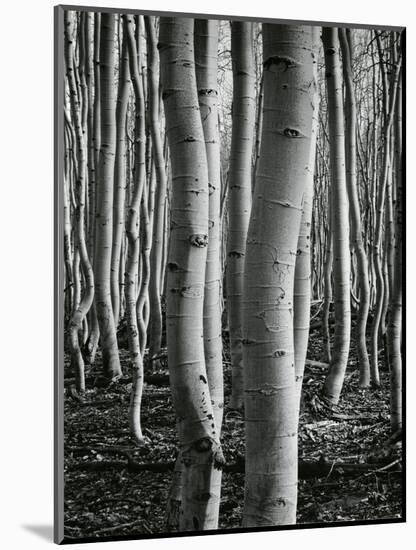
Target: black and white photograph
(229, 274)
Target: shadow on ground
(45, 532)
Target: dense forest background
(233, 228)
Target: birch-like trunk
(200, 450)
(395, 315)
(105, 191)
(124, 88)
(133, 236)
(346, 42)
(269, 363)
(206, 47)
(156, 255)
(340, 222)
(81, 308)
(92, 342)
(386, 172)
(302, 283)
(239, 193)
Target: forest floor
(106, 493)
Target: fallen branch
(306, 469)
(386, 467)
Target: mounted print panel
(229, 199)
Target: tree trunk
(81, 309)
(389, 107)
(156, 255)
(269, 369)
(200, 449)
(105, 189)
(340, 223)
(124, 87)
(355, 214)
(239, 194)
(92, 342)
(395, 315)
(302, 284)
(133, 237)
(206, 47)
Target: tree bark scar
(207, 92)
(286, 62)
(292, 133)
(199, 240)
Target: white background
(26, 273)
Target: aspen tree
(395, 314)
(142, 307)
(155, 335)
(269, 367)
(81, 308)
(89, 80)
(302, 282)
(239, 192)
(389, 106)
(105, 189)
(92, 343)
(329, 260)
(133, 236)
(346, 41)
(200, 450)
(124, 87)
(340, 222)
(206, 48)
(69, 281)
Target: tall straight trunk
(355, 214)
(374, 371)
(92, 343)
(156, 255)
(239, 194)
(206, 48)
(68, 256)
(269, 364)
(340, 222)
(81, 308)
(302, 283)
(259, 122)
(89, 80)
(328, 264)
(200, 449)
(124, 87)
(105, 191)
(395, 314)
(133, 236)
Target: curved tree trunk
(92, 342)
(156, 255)
(82, 308)
(105, 189)
(355, 214)
(239, 193)
(269, 369)
(133, 237)
(340, 223)
(200, 449)
(390, 107)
